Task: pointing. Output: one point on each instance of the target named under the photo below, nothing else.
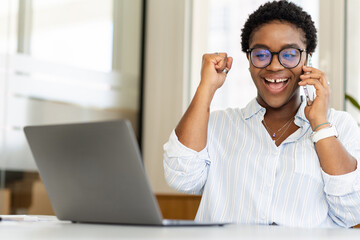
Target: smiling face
(276, 85)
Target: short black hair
(283, 11)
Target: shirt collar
(253, 108)
(301, 113)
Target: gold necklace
(287, 125)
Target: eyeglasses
(288, 57)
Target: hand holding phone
(309, 90)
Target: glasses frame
(272, 54)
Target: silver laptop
(93, 172)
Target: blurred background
(88, 60)
(63, 61)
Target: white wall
(165, 73)
(331, 34)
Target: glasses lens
(289, 57)
(260, 58)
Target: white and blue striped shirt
(245, 178)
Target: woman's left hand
(316, 113)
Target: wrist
(207, 89)
(319, 124)
(203, 96)
(324, 133)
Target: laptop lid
(93, 172)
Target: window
(62, 61)
(73, 32)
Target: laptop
(93, 172)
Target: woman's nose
(275, 64)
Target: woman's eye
(261, 55)
(289, 55)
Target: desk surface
(65, 230)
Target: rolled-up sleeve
(343, 191)
(343, 195)
(186, 170)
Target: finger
(214, 61)
(322, 94)
(310, 81)
(324, 80)
(318, 76)
(316, 83)
(229, 63)
(221, 60)
(310, 75)
(315, 73)
(222, 54)
(308, 69)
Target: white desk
(67, 230)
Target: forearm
(343, 196)
(341, 179)
(334, 159)
(192, 128)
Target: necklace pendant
(273, 135)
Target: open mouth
(276, 84)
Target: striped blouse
(244, 177)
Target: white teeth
(276, 80)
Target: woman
(279, 160)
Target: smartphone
(309, 90)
